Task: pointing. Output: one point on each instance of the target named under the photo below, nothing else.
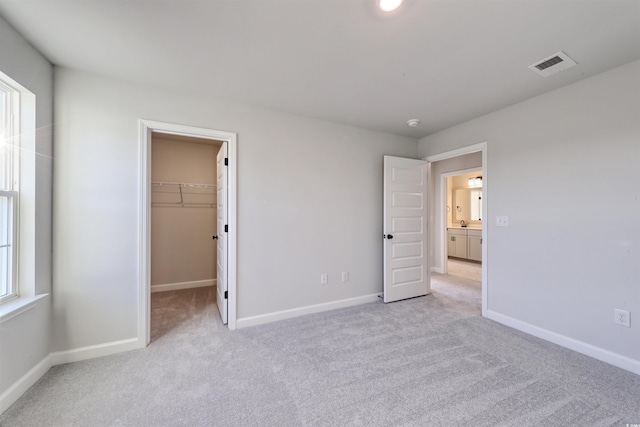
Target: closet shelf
(180, 194)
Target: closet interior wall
(183, 212)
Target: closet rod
(178, 194)
(181, 184)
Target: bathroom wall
(457, 182)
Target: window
(9, 196)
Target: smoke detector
(553, 64)
(413, 123)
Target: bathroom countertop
(470, 227)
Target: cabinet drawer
(457, 231)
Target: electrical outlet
(324, 279)
(502, 221)
(345, 276)
(622, 317)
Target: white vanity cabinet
(474, 245)
(464, 243)
(457, 242)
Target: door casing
(146, 128)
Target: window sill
(15, 307)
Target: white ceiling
(440, 61)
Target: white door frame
(144, 222)
(482, 147)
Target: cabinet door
(457, 245)
(451, 245)
(475, 247)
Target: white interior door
(406, 257)
(222, 254)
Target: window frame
(9, 183)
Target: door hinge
(226, 228)
(226, 294)
(226, 161)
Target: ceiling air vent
(553, 64)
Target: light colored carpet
(464, 294)
(429, 361)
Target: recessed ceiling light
(413, 123)
(389, 5)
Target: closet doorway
(179, 223)
(183, 223)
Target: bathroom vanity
(464, 243)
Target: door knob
(389, 236)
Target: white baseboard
(93, 351)
(183, 285)
(601, 354)
(21, 386)
(295, 312)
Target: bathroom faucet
(462, 223)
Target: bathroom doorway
(459, 268)
(464, 223)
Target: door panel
(408, 250)
(221, 182)
(406, 269)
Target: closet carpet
(428, 361)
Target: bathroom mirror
(468, 204)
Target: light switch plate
(502, 221)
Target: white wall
(563, 166)
(309, 202)
(26, 338)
